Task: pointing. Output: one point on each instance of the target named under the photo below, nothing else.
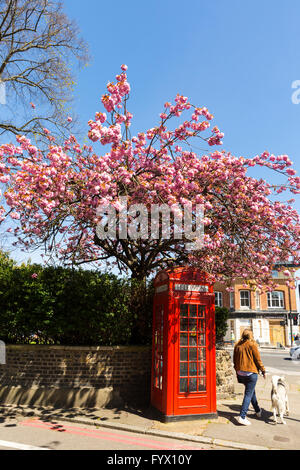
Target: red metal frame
(183, 353)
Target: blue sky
(239, 59)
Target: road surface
(279, 362)
(35, 434)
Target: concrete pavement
(263, 434)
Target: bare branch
(38, 43)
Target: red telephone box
(183, 384)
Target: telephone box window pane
(183, 368)
(201, 339)
(184, 309)
(192, 340)
(183, 354)
(193, 324)
(193, 385)
(158, 347)
(184, 339)
(184, 324)
(193, 354)
(201, 354)
(202, 385)
(201, 368)
(157, 374)
(193, 368)
(193, 310)
(201, 311)
(183, 385)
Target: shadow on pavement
(137, 415)
(267, 416)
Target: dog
(279, 398)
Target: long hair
(247, 335)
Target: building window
(231, 299)
(275, 299)
(260, 328)
(245, 298)
(218, 299)
(275, 274)
(257, 300)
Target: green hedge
(55, 305)
(222, 314)
(64, 306)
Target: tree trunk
(141, 307)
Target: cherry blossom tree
(55, 197)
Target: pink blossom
(15, 215)
(4, 178)
(246, 230)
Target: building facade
(266, 314)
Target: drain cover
(281, 439)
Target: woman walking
(247, 364)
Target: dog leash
(264, 379)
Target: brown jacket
(246, 357)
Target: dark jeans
(249, 396)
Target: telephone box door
(194, 381)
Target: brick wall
(85, 376)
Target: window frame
(249, 299)
(281, 299)
(218, 297)
(231, 300)
(257, 301)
